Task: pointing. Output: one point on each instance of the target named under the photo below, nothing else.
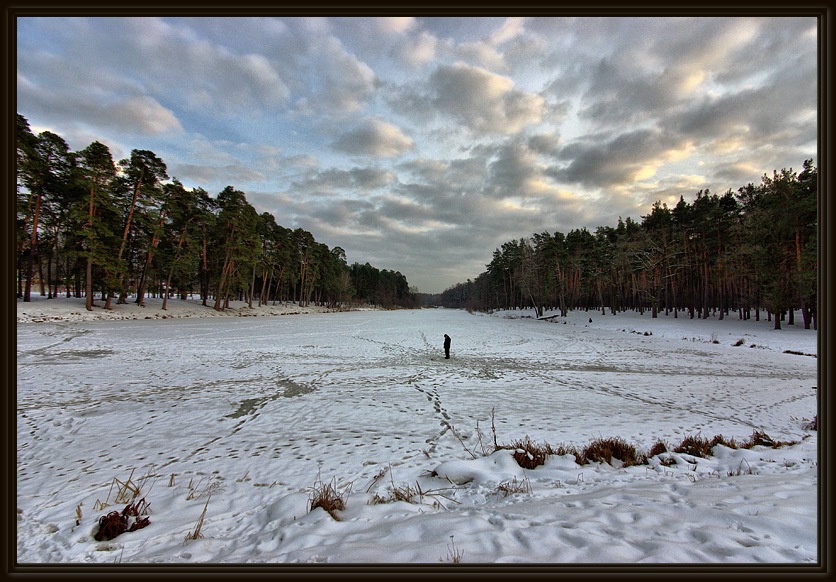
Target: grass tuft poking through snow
(529, 454)
(454, 555)
(605, 450)
(513, 486)
(694, 445)
(409, 494)
(326, 496)
(196, 534)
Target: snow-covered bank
(727, 331)
(243, 417)
(41, 309)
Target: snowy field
(227, 425)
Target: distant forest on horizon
(753, 249)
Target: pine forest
(739, 253)
(91, 227)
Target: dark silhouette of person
(446, 347)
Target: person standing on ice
(446, 347)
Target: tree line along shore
(88, 225)
(751, 250)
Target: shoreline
(73, 309)
(731, 331)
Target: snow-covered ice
(245, 416)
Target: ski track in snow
(368, 397)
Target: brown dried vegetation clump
(696, 446)
(529, 454)
(658, 448)
(761, 439)
(116, 523)
(605, 450)
(325, 495)
(699, 446)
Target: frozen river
(279, 400)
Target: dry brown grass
(699, 446)
(721, 440)
(513, 486)
(740, 470)
(406, 493)
(562, 450)
(667, 461)
(454, 555)
(126, 492)
(605, 450)
(199, 490)
(696, 446)
(325, 495)
(196, 535)
(529, 454)
(410, 494)
(761, 439)
(659, 449)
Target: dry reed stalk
(196, 535)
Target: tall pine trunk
(123, 294)
(89, 289)
(173, 264)
(33, 250)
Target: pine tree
(44, 169)
(96, 174)
(142, 174)
(237, 242)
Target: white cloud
(375, 138)
(347, 83)
(483, 54)
(223, 80)
(264, 80)
(234, 174)
(396, 24)
(510, 29)
(144, 115)
(484, 101)
(133, 114)
(418, 50)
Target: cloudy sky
(422, 144)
